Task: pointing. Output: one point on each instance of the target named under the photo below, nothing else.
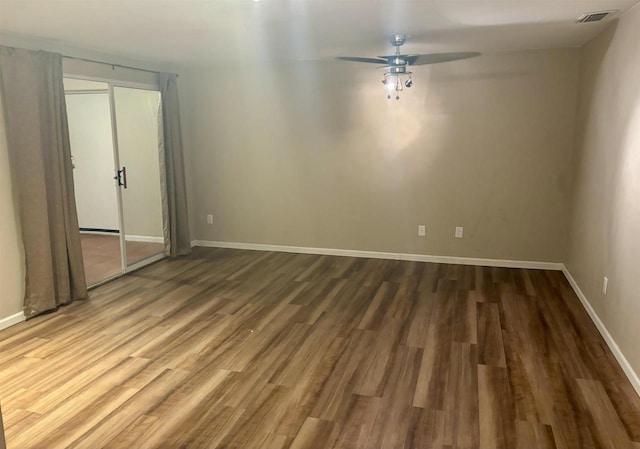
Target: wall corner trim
(613, 346)
(11, 320)
(503, 263)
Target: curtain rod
(114, 65)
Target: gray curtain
(40, 156)
(178, 219)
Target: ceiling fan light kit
(396, 75)
(393, 82)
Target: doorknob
(121, 177)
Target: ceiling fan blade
(435, 58)
(357, 59)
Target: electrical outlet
(605, 284)
(459, 231)
(422, 230)
(209, 219)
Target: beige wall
(313, 154)
(605, 223)
(12, 269)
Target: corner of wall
(602, 214)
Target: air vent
(594, 16)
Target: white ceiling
(216, 32)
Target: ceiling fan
(396, 65)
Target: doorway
(115, 133)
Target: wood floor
(242, 349)
(2, 440)
(101, 255)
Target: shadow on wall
(625, 214)
(587, 98)
(623, 220)
(591, 104)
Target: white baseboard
(622, 360)
(11, 320)
(384, 255)
(143, 238)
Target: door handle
(121, 177)
(124, 177)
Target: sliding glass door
(114, 133)
(137, 118)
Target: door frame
(125, 267)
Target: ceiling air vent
(594, 16)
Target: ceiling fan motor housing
(398, 69)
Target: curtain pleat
(178, 219)
(40, 156)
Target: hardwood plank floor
(243, 349)
(2, 440)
